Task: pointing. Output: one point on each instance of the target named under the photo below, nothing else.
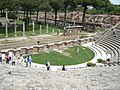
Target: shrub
(12, 15)
(99, 60)
(26, 20)
(89, 64)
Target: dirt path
(23, 41)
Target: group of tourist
(10, 58)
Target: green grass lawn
(69, 56)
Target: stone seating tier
(112, 44)
(115, 47)
(22, 78)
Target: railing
(107, 32)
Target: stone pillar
(59, 30)
(78, 50)
(47, 28)
(6, 15)
(15, 29)
(40, 29)
(74, 23)
(69, 26)
(6, 27)
(23, 28)
(53, 30)
(33, 31)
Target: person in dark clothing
(0, 58)
(113, 32)
(8, 59)
(48, 67)
(63, 68)
(26, 61)
(13, 63)
(108, 60)
(38, 42)
(115, 36)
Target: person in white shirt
(3, 58)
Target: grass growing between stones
(69, 56)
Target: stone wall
(72, 30)
(47, 47)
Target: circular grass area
(69, 56)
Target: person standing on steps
(30, 61)
(38, 42)
(0, 58)
(63, 68)
(48, 66)
(114, 32)
(26, 61)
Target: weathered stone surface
(26, 78)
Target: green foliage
(19, 22)
(12, 15)
(99, 60)
(98, 29)
(56, 4)
(45, 6)
(115, 10)
(94, 3)
(89, 64)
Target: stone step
(109, 50)
(103, 53)
(115, 49)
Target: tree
(45, 6)
(65, 5)
(38, 3)
(1, 6)
(115, 10)
(68, 4)
(28, 6)
(56, 5)
(9, 5)
(94, 3)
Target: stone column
(74, 23)
(78, 50)
(59, 30)
(53, 30)
(6, 27)
(23, 28)
(15, 29)
(47, 28)
(33, 31)
(6, 15)
(40, 29)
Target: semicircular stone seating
(111, 44)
